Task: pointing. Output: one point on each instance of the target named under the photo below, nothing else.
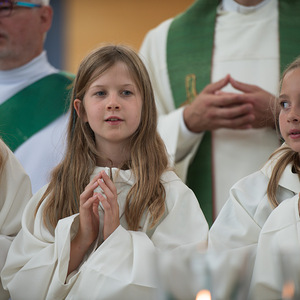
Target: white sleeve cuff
(187, 139)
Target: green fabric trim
(189, 51)
(289, 28)
(34, 107)
(189, 47)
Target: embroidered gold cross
(190, 87)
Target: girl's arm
(277, 252)
(88, 224)
(89, 217)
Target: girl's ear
(77, 105)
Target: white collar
(13, 81)
(231, 5)
(38, 64)
(288, 179)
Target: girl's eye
(284, 104)
(127, 93)
(100, 93)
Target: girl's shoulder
(289, 180)
(35, 199)
(170, 177)
(252, 183)
(276, 158)
(175, 187)
(249, 194)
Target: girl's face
(113, 106)
(289, 116)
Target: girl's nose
(113, 104)
(294, 115)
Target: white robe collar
(117, 174)
(231, 5)
(127, 176)
(288, 180)
(12, 81)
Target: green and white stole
(34, 107)
(189, 58)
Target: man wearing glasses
(32, 98)
(33, 93)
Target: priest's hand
(265, 108)
(110, 205)
(213, 109)
(88, 224)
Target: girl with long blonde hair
(262, 212)
(112, 202)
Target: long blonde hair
(286, 154)
(148, 154)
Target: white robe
(15, 192)
(252, 57)
(122, 266)
(46, 147)
(248, 222)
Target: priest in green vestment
(215, 70)
(33, 94)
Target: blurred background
(80, 26)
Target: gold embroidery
(190, 87)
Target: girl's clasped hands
(89, 202)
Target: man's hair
(43, 2)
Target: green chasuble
(34, 107)
(189, 58)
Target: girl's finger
(95, 179)
(105, 203)
(106, 190)
(88, 192)
(108, 182)
(95, 208)
(90, 201)
(107, 179)
(110, 207)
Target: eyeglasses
(6, 7)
